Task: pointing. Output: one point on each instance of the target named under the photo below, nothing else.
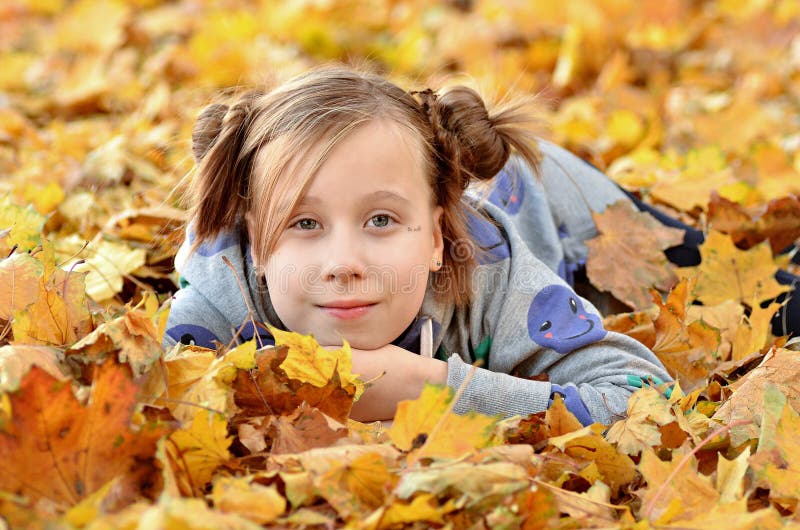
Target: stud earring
(438, 263)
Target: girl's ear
(438, 240)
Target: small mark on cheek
(582, 317)
(548, 336)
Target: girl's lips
(347, 313)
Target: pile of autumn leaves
(108, 431)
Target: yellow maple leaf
(195, 453)
(25, 223)
(309, 362)
(727, 273)
(425, 425)
(358, 487)
(692, 492)
(752, 334)
(107, 265)
(647, 410)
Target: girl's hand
(404, 375)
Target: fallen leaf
(357, 488)
(639, 431)
(778, 467)
(26, 226)
(107, 264)
(730, 476)
(309, 362)
(424, 426)
(57, 451)
(270, 390)
(131, 338)
(197, 451)
(687, 349)
(304, 429)
(474, 482)
(688, 494)
(727, 273)
(627, 257)
(780, 367)
(260, 504)
(751, 336)
(778, 222)
(16, 360)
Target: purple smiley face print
(558, 320)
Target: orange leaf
(687, 349)
(58, 451)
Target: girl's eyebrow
(374, 196)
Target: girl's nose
(344, 257)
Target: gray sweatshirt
(524, 320)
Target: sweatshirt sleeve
(536, 325)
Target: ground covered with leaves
(691, 105)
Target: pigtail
(220, 190)
(471, 143)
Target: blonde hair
(245, 152)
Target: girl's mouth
(347, 313)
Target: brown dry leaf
(588, 446)
(57, 452)
(727, 273)
(780, 367)
(132, 338)
(687, 349)
(778, 222)
(627, 257)
(639, 431)
(306, 428)
(269, 390)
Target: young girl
(351, 209)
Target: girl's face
(355, 258)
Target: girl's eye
(381, 220)
(306, 224)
